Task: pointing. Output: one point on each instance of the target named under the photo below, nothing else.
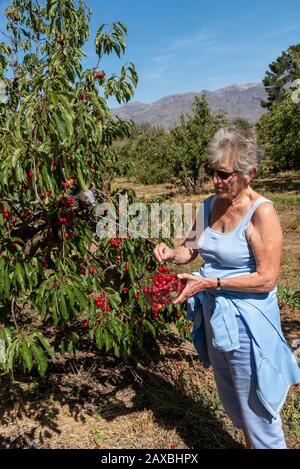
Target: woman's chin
(223, 195)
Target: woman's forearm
(254, 282)
(183, 255)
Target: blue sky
(191, 45)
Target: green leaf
(122, 25)
(107, 340)
(114, 301)
(63, 124)
(40, 359)
(70, 347)
(15, 157)
(53, 98)
(19, 273)
(131, 271)
(11, 354)
(6, 334)
(150, 327)
(141, 302)
(62, 347)
(62, 306)
(70, 295)
(130, 247)
(99, 336)
(46, 344)
(81, 180)
(6, 283)
(54, 310)
(81, 298)
(26, 354)
(116, 349)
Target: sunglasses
(221, 174)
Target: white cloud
(281, 31)
(203, 39)
(154, 73)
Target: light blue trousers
(236, 382)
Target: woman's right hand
(163, 253)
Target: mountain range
(236, 100)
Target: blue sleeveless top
(226, 254)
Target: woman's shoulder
(257, 196)
(259, 202)
(263, 210)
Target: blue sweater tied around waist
(276, 365)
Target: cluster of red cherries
(161, 289)
(103, 304)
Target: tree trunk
(200, 180)
(37, 232)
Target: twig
(13, 313)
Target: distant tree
(190, 140)
(279, 132)
(147, 155)
(242, 123)
(283, 71)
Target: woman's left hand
(194, 285)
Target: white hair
(242, 144)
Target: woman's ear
(252, 173)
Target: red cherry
(68, 201)
(91, 270)
(44, 262)
(29, 174)
(85, 324)
(25, 214)
(60, 41)
(82, 271)
(71, 182)
(84, 97)
(13, 220)
(99, 75)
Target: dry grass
(145, 193)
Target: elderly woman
(233, 299)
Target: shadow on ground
(88, 384)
